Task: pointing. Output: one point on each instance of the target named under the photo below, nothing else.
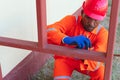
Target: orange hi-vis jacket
(71, 26)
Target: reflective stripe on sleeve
(51, 29)
(62, 77)
(99, 27)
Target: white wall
(18, 20)
(56, 9)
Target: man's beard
(89, 28)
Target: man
(83, 32)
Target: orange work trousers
(65, 67)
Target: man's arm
(57, 31)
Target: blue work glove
(81, 41)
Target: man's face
(88, 23)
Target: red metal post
(41, 22)
(111, 39)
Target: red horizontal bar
(29, 45)
(23, 44)
(77, 53)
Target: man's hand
(81, 41)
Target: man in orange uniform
(84, 32)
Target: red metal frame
(28, 67)
(42, 45)
(41, 15)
